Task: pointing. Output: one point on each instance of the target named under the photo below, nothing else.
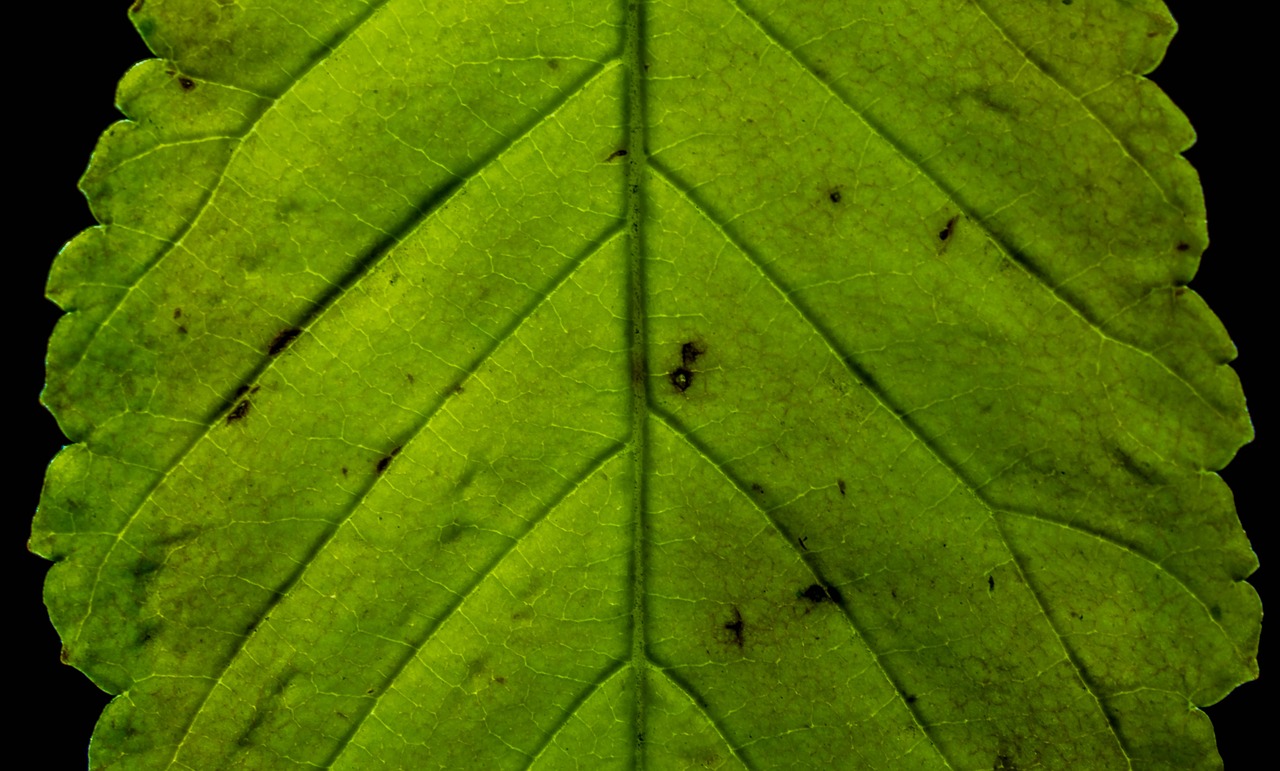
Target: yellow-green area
(655, 384)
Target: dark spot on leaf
(616, 154)
(282, 340)
(1134, 466)
(385, 460)
(681, 378)
(950, 227)
(137, 6)
(991, 583)
(835, 196)
(65, 655)
(911, 698)
(1216, 612)
(817, 593)
(736, 626)
(1184, 246)
(145, 567)
(182, 330)
(186, 83)
(500, 680)
(344, 471)
(757, 488)
(239, 413)
(689, 353)
(1179, 291)
(177, 313)
(840, 484)
(801, 540)
(1004, 762)
(409, 377)
(553, 64)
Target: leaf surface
(724, 383)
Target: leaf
(726, 382)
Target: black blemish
(946, 231)
(835, 196)
(385, 460)
(801, 540)
(616, 154)
(1004, 762)
(241, 410)
(757, 488)
(282, 340)
(344, 471)
(1184, 246)
(177, 313)
(681, 378)
(1179, 291)
(1216, 612)
(840, 484)
(817, 593)
(911, 698)
(137, 6)
(553, 64)
(689, 353)
(736, 626)
(182, 330)
(65, 655)
(409, 376)
(186, 83)
(991, 583)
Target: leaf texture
(671, 384)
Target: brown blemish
(385, 460)
(344, 471)
(689, 353)
(949, 229)
(240, 411)
(177, 313)
(616, 154)
(801, 540)
(500, 680)
(757, 488)
(834, 196)
(553, 64)
(186, 83)
(736, 626)
(1184, 246)
(991, 583)
(65, 655)
(681, 378)
(137, 6)
(282, 340)
(840, 484)
(182, 330)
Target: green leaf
(725, 383)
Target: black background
(60, 99)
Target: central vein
(637, 168)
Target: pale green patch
(684, 384)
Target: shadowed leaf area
(667, 384)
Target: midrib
(637, 168)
